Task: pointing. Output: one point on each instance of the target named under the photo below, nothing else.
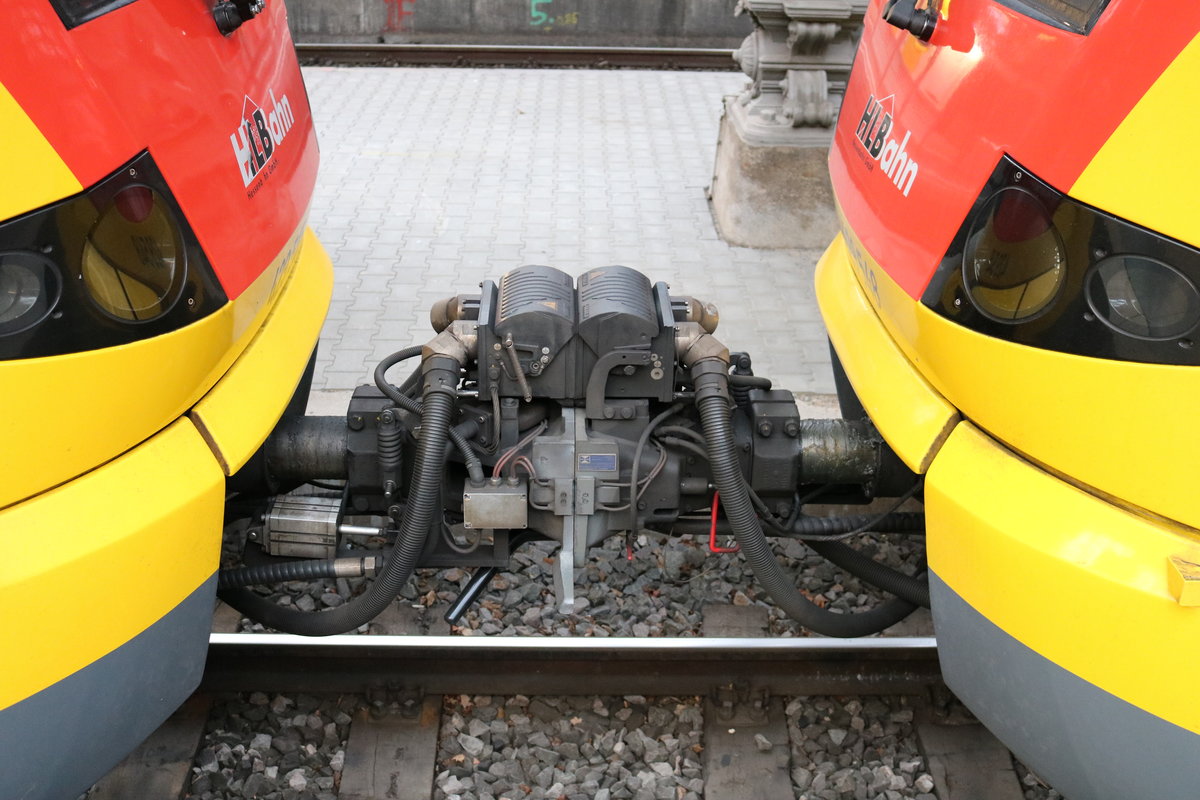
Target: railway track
(737, 717)
(470, 55)
(561, 666)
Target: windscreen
(1077, 16)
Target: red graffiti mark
(398, 13)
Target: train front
(160, 297)
(1014, 300)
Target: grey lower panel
(1089, 744)
(58, 742)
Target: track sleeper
(160, 766)
(746, 746)
(967, 762)
(394, 756)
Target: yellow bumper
(1090, 586)
(1078, 580)
(910, 414)
(93, 563)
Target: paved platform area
(433, 180)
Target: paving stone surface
(433, 180)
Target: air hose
(906, 587)
(438, 397)
(895, 522)
(309, 569)
(711, 381)
(400, 398)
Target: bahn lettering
(874, 133)
(259, 133)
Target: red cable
(713, 547)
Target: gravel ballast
(278, 747)
(860, 747)
(577, 748)
(660, 591)
(293, 747)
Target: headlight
(1014, 261)
(29, 290)
(1143, 297)
(114, 264)
(1031, 265)
(133, 257)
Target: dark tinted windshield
(1071, 15)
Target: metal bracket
(395, 698)
(739, 703)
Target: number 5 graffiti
(537, 16)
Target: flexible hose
(819, 528)
(400, 398)
(896, 522)
(912, 589)
(750, 381)
(906, 587)
(712, 387)
(395, 395)
(437, 408)
(306, 570)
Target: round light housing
(1143, 297)
(133, 258)
(1014, 262)
(29, 290)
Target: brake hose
(438, 397)
(711, 380)
(400, 398)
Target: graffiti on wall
(399, 12)
(543, 15)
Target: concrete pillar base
(769, 194)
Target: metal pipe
(303, 448)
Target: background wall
(613, 23)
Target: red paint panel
(990, 81)
(157, 74)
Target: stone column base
(767, 194)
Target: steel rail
(472, 55)
(576, 665)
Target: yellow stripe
(90, 565)
(1147, 172)
(131, 391)
(1079, 581)
(68, 414)
(1107, 424)
(1117, 426)
(31, 173)
(911, 416)
(239, 413)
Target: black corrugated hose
(906, 587)
(400, 398)
(712, 392)
(895, 522)
(307, 570)
(441, 379)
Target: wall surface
(610, 23)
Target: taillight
(111, 265)
(1033, 266)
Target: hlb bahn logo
(876, 135)
(258, 135)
